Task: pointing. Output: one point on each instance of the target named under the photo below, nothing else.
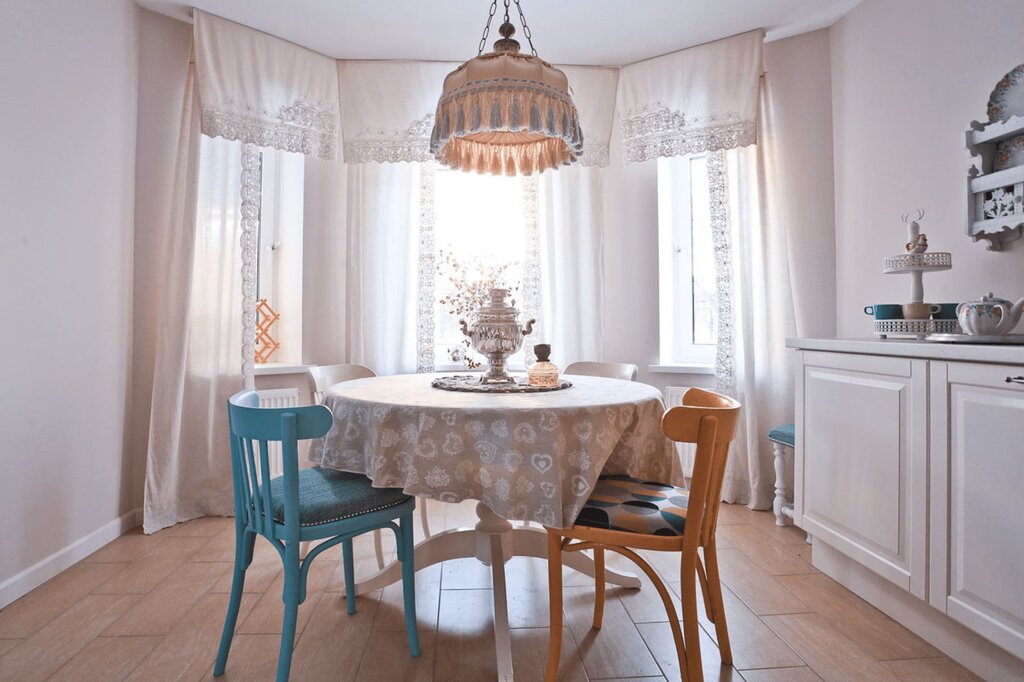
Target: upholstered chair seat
(635, 506)
(327, 495)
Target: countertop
(912, 348)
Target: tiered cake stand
(916, 264)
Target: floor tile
(159, 611)
(879, 635)
(40, 606)
(658, 637)
(42, 654)
(386, 656)
(826, 650)
(153, 568)
(616, 650)
(106, 658)
(802, 674)
(940, 669)
(762, 593)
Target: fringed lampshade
(506, 113)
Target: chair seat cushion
(635, 506)
(327, 495)
(785, 434)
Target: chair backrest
(323, 377)
(709, 420)
(252, 429)
(611, 370)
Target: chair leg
(703, 578)
(243, 556)
(291, 598)
(780, 483)
(350, 576)
(408, 559)
(599, 587)
(378, 548)
(423, 517)
(554, 605)
(690, 662)
(714, 589)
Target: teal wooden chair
(304, 505)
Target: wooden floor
(151, 608)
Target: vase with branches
(469, 281)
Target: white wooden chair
(610, 370)
(322, 378)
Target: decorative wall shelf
(995, 187)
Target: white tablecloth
(530, 456)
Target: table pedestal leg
(494, 548)
(493, 541)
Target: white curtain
(197, 360)
(704, 98)
(571, 216)
(383, 255)
(759, 371)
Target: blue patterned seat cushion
(327, 495)
(785, 434)
(635, 506)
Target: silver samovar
(496, 334)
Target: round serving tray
(469, 383)
(917, 262)
(1001, 339)
(920, 328)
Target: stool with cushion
(782, 437)
(624, 514)
(299, 506)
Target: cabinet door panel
(986, 484)
(861, 461)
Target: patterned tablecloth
(529, 457)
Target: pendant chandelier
(505, 112)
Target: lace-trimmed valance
(259, 89)
(700, 99)
(387, 109)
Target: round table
(530, 457)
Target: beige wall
(908, 76)
(67, 192)
(798, 70)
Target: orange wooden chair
(624, 514)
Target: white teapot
(989, 316)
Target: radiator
(673, 397)
(277, 397)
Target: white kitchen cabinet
(977, 532)
(861, 461)
(909, 474)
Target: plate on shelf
(1007, 99)
(1000, 339)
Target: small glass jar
(542, 373)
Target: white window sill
(682, 368)
(279, 368)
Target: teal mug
(947, 311)
(885, 311)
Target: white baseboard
(970, 650)
(37, 574)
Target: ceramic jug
(989, 315)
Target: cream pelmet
(506, 113)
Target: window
(279, 264)
(688, 302)
(480, 242)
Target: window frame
(677, 352)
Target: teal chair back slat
(253, 428)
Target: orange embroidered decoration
(266, 344)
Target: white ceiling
(604, 32)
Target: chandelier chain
(526, 28)
(487, 28)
